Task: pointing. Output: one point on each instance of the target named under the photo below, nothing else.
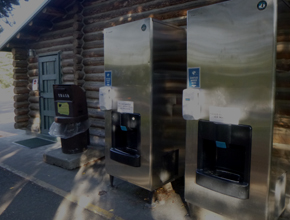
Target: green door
(49, 74)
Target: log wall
(281, 138)
(21, 104)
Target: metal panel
(233, 43)
(133, 54)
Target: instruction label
(193, 77)
(224, 115)
(63, 108)
(125, 107)
(108, 78)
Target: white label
(106, 98)
(190, 104)
(125, 107)
(35, 84)
(224, 115)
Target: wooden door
(49, 74)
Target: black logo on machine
(143, 27)
(262, 5)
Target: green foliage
(6, 7)
(6, 70)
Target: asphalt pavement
(21, 199)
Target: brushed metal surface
(234, 44)
(149, 69)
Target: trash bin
(71, 122)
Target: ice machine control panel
(224, 158)
(126, 138)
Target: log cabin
(64, 39)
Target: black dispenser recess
(126, 138)
(224, 158)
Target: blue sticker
(220, 144)
(108, 78)
(123, 128)
(193, 77)
(262, 5)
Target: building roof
(40, 18)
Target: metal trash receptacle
(71, 118)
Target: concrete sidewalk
(88, 186)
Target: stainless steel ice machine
(229, 108)
(145, 73)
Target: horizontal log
(21, 125)
(283, 36)
(20, 90)
(282, 121)
(77, 50)
(54, 11)
(53, 43)
(78, 67)
(67, 47)
(68, 77)
(77, 59)
(283, 64)
(79, 75)
(96, 61)
(34, 93)
(22, 104)
(96, 113)
(98, 123)
(108, 6)
(92, 94)
(78, 26)
(34, 114)
(67, 63)
(283, 50)
(281, 135)
(93, 44)
(78, 35)
(68, 70)
(97, 141)
(33, 99)
(93, 103)
(97, 52)
(78, 18)
(40, 24)
(20, 76)
(20, 57)
(20, 97)
(95, 77)
(20, 83)
(80, 82)
(21, 111)
(97, 132)
(93, 86)
(20, 70)
(94, 36)
(29, 86)
(27, 36)
(283, 79)
(93, 69)
(56, 34)
(21, 118)
(32, 66)
(74, 8)
(33, 72)
(32, 59)
(20, 63)
(62, 20)
(78, 43)
(93, 2)
(19, 51)
(16, 44)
